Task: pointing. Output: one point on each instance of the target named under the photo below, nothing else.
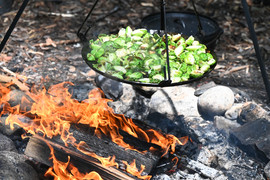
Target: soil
(44, 45)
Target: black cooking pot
(187, 24)
(5, 6)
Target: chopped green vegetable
(135, 75)
(90, 57)
(139, 32)
(190, 40)
(137, 55)
(120, 69)
(189, 58)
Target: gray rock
(215, 101)
(5, 129)
(234, 112)
(6, 144)
(179, 100)
(225, 124)
(240, 96)
(254, 138)
(201, 89)
(252, 111)
(81, 91)
(267, 170)
(131, 104)
(14, 167)
(111, 88)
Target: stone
(178, 100)
(5, 129)
(234, 112)
(267, 170)
(215, 101)
(240, 96)
(201, 89)
(81, 91)
(131, 104)
(254, 138)
(112, 89)
(13, 166)
(6, 144)
(225, 124)
(252, 111)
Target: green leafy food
(137, 55)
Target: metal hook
(163, 27)
(201, 31)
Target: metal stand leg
(13, 24)
(256, 47)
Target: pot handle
(219, 33)
(82, 36)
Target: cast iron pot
(187, 24)
(5, 6)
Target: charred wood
(105, 147)
(37, 148)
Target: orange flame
(67, 171)
(132, 169)
(54, 111)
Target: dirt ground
(44, 44)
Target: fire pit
(208, 153)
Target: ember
(54, 111)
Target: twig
(6, 70)
(65, 15)
(234, 69)
(7, 79)
(54, 43)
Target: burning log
(105, 147)
(38, 149)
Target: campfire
(125, 130)
(54, 114)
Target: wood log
(101, 146)
(105, 147)
(37, 148)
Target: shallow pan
(86, 49)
